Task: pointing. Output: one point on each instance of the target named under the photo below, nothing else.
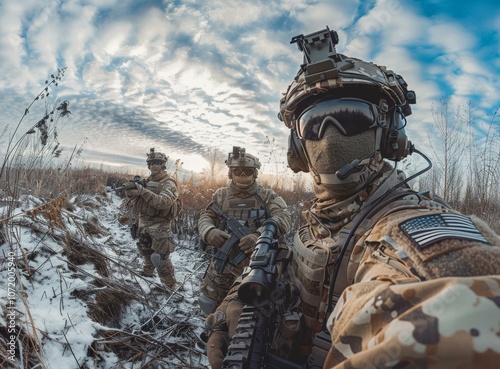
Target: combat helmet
(326, 75)
(239, 158)
(152, 156)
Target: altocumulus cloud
(187, 76)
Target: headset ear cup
(394, 142)
(403, 145)
(295, 154)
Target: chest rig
(155, 186)
(313, 263)
(250, 211)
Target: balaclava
(332, 152)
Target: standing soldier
(388, 277)
(245, 200)
(156, 204)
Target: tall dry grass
(466, 156)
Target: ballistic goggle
(155, 162)
(349, 115)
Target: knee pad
(207, 305)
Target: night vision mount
(238, 155)
(313, 45)
(320, 55)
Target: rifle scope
(260, 275)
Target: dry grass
(109, 301)
(28, 343)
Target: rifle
(136, 179)
(237, 231)
(264, 297)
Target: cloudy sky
(186, 76)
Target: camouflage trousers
(146, 246)
(215, 286)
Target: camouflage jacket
(159, 203)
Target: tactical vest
(250, 212)
(313, 261)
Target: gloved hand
(221, 330)
(247, 243)
(216, 237)
(129, 185)
(133, 189)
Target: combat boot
(148, 268)
(166, 274)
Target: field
(74, 289)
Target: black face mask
(331, 153)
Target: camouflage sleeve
(451, 322)
(426, 294)
(163, 200)
(278, 210)
(208, 220)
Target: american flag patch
(428, 229)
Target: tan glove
(133, 189)
(219, 338)
(216, 237)
(216, 348)
(247, 243)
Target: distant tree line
(465, 153)
(466, 160)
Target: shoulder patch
(428, 229)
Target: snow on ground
(80, 295)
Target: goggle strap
(378, 138)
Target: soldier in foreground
(388, 277)
(157, 203)
(247, 204)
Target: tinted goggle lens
(155, 162)
(349, 116)
(242, 171)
